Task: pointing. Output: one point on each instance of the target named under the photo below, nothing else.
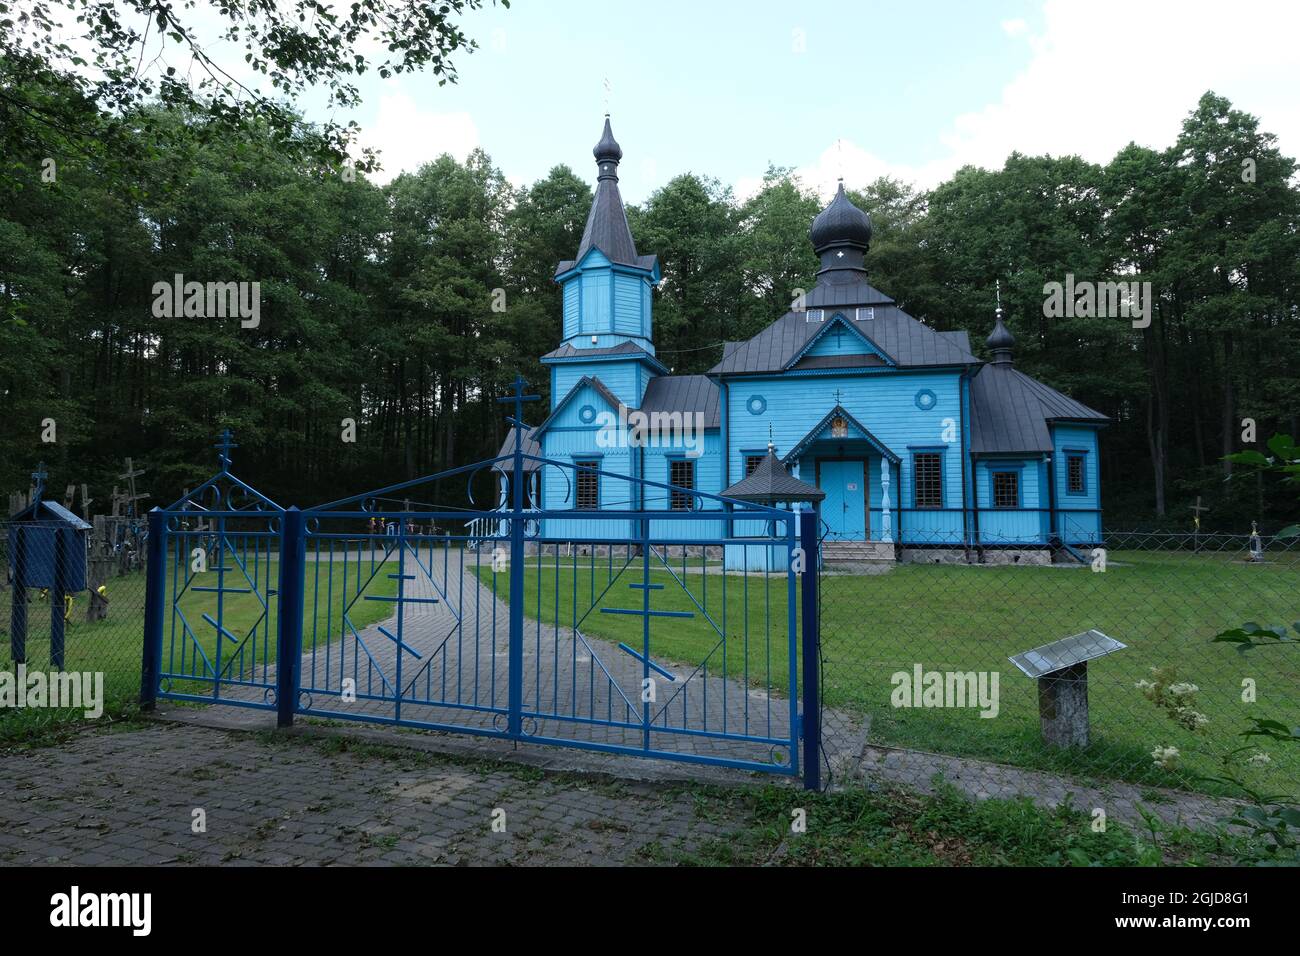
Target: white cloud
(408, 136)
(1102, 73)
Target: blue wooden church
(922, 450)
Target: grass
(1166, 607)
(896, 827)
(114, 645)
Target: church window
(1006, 489)
(927, 479)
(866, 313)
(816, 315)
(751, 464)
(681, 474)
(1074, 474)
(588, 483)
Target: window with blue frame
(927, 479)
(1006, 489)
(588, 486)
(681, 475)
(1076, 473)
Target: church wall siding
(627, 305)
(708, 479)
(885, 404)
(596, 301)
(1011, 526)
(570, 443)
(1085, 526)
(621, 378)
(842, 338)
(572, 299)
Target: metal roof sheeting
(530, 448)
(906, 341)
(630, 349)
(1010, 411)
(770, 482)
(684, 393)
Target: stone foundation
(586, 549)
(1029, 556)
(1033, 556)
(933, 555)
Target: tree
(133, 52)
(690, 224)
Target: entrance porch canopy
(853, 430)
(840, 427)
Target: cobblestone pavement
(453, 666)
(130, 798)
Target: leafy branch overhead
(231, 62)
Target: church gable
(837, 343)
(582, 407)
(840, 426)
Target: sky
(859, 89)
(917, 89)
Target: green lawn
(1165, 607)
(114, 645)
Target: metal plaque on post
(1061, 669)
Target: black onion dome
(1001, 337)
(607, 150)
(840, 224)
(1000, 341)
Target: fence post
(59, 587)
(515, 722)
(812, 723)
(18, 596)
(293, 564)
(155, 582)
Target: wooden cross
(1198, 508)
(69, 495)
(85, 502)
(38, 489)
(130, 498)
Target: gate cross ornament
(223, 447)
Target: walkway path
(454, 637)
(133, 798)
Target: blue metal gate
(630, 637)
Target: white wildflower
(1165, 757)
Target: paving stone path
(129, 798)
(454, 654)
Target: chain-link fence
(918, 681)
(917, 677)
(72, 602)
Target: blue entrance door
(844, 509)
